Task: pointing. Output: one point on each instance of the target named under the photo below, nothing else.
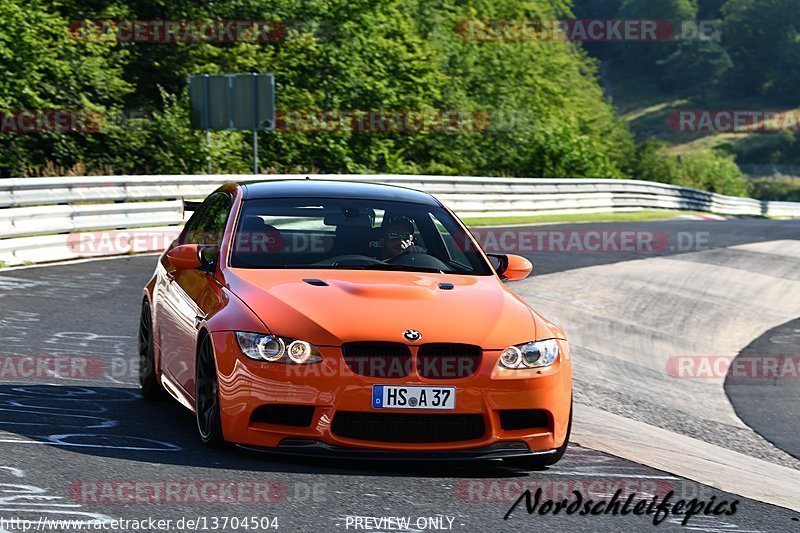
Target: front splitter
(312, 448)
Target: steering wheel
(423, 260)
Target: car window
(454, 249)
(207, 225)
(356, 234)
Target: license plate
(393, 397)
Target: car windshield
(334, 233)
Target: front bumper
(330, 387)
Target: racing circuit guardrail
(39, 217)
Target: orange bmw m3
(354, 320)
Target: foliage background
(549, 115)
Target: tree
(543, 110)
(45, 69)
(645, 56)
(696, 66)
(763, 40)
(709, 9)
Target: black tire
(209, 419)
(539, 462)
(149, 386)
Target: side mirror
(185, 257)
(511, 267)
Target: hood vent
(316, 282)
(447, 286)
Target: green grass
(587, 217)
(646, 108)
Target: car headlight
(538, 354)
(274, 349)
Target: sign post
(240, 102)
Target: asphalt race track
(776, 420)
(643, 327)
(75, 448)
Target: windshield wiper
(386, 266)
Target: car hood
(381, 306)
